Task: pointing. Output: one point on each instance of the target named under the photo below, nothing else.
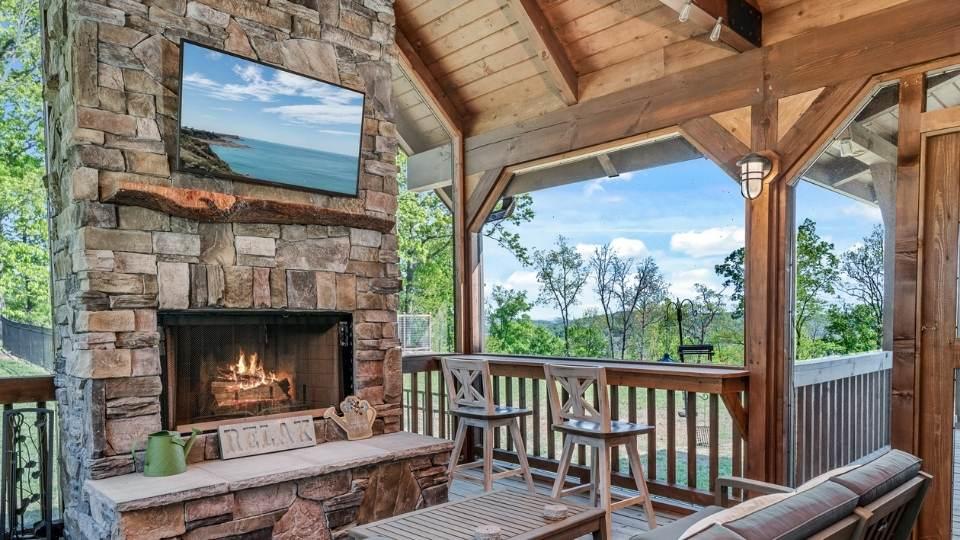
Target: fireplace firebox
(231, 366)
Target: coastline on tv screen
(245, 120)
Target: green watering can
(166, 453)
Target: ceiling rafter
(426, 84)
(548, 47)
(704, 15)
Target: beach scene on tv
(240, 118)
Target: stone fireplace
(222, 367)
(150, 263)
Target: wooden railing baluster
(496, 399)
(414, 414)
(615, 414)
(509, 400)
(535, 387)
(691, 406)
(428, 402)
(652, 436)
(714, 441)
(671, 437)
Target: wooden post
(903, 412)
(768, 225)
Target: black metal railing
(28, 342)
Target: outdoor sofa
(862, 501)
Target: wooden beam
(872, 143)
(718, 144)
(485, 196)
(428, 87)
(704, 14)
(826, 114)
(548, 48)
(911, 33)
(608, 166)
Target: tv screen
(245, 120)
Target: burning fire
(248, 373)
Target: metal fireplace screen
(233, 366)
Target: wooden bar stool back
(582, 414)
(470, 391)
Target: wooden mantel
(211, 206)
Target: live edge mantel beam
(211, 206)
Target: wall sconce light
(754, 170)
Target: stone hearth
(316, 492)
(131, 236)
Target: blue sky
(227, 94)
(688, 216)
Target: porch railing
(841, 411)
(697, 437)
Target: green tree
(731, 270)
(511, 330)
(863, 269)
(817, 276)
(24, 259)
(562, 274)
(851, 329)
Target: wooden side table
(519, 515)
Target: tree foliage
(629, 290)
(817, 277)
(562, 274)
(24, 259)
(863, 270)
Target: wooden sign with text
(266, 436)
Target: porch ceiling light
(754, 170)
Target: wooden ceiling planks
(490, 57)
(785, 20)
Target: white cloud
(624, 247)
(327, 113)
(522, 279)
(863, 211)
(592, 187)
(682, 283)
(708, 242)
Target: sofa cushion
(799, 515)
(814, 482)
(717, 532)
(730, 514)
(876, 478)
(672, 531)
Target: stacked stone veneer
(316, 507)
(112, 92)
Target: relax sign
(265, 436)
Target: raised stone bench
(314, 492)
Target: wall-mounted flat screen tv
(244, 120)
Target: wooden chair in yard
(585, 423)
(470, 391)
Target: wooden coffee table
(518, 514)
